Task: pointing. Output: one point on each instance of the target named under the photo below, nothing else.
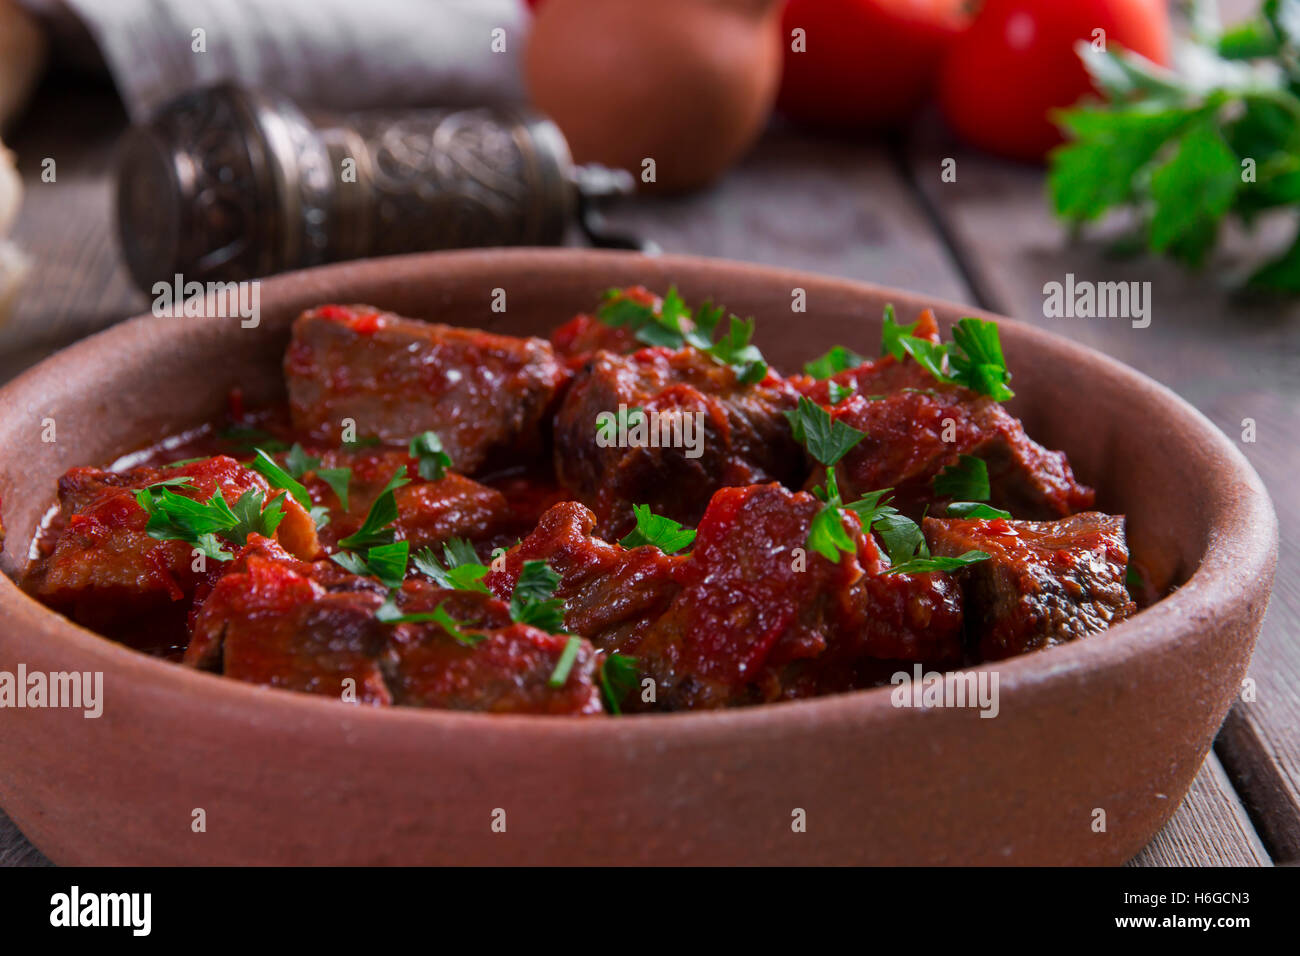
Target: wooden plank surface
(827, 206)
(1234, 360)
(1211, 828)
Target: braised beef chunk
(279, 622)
(611, 594)
(106, 572)
(429, 513)
(758, 614)
(691, 427)
(497, 666)
(1045, 583)
(911, 436)
(272, 623)
(487, 396)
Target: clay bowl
(1119, 722)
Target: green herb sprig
(617, 676)
(174, 517)
(664, 533)
(1184, 152)
(973, 359)
(375, 529)
(674, 326)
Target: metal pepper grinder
(227, 183)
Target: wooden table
(877, 212)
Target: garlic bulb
(13, 264)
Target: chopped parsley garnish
(675, 326)
(826, 534)
(386, 562)
(617, 675)
(174, 517)
(827, 440)
(908, 552)
(840, 392)
(459, 570)
(184, 461)
(533, 601)
(390, 613)
(277, 477)
(836, 359)
(973, 359)
(664, 533)
(375, 529)
(426, 448)
(565, 664)
(967, 480)
(871, 507)
(338, 480)
(297, 462)
(975, 509)
(926, 564)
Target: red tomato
(1017, 62)
(867, 63)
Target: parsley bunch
(674, 325)
(1184, 151)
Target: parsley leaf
(338, 479)
(840, 392)
(975, 509)
(674, 326)
(297, 462)
(977, 361)
(386, 562)
(827, 536)
(908, 552)
(664, 533)
(925, 565)
(836, 359)
(374, 530)
(266, 466)
(871, 507)
(390, 613)
(734, 349)
(174, 517)
(968, 480)
(426, 448)
(892, 335)
(533, 601)
(565, 664)
(973, 359)
(462, 570)
(618, 677)
(277, 477)
(826, 440)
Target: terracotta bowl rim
(1243, 538)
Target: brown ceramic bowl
(1119, 722)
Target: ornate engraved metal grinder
(227, 184)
